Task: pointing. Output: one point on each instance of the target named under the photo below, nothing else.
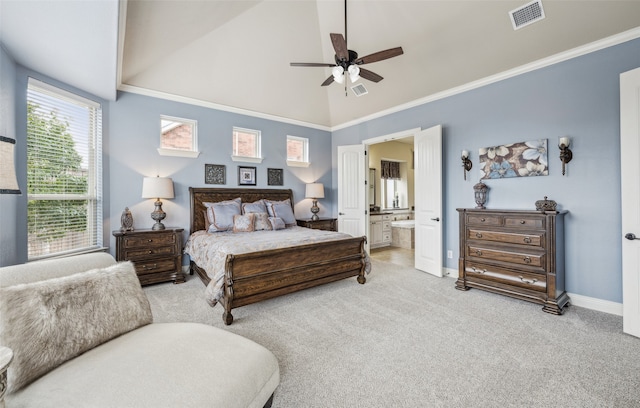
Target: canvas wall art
(523, 159)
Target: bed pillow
(51, 321)
(221, 214)
(281, 209)
(243, 222)
(276, 223)
(255, 207)
(261, 222)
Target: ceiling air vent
(527, 14)
(359, 90)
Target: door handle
(436, 219)
(631, 236)
(340, 213)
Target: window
(64, 172)
(394, 190)
(178, 137)
(297, 151)
(246, 145)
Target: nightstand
(327, 224)
(156, 255)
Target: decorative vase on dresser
(514, 253)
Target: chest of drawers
(514, 253)
(156, 255)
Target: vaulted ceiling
(235, 54)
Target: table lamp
(157, 187)
(315, 191)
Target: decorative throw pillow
(221, 214)
(243, 223)
(276, 223)
(261, 222)
(49, 322)
(255, 207)
(281, 209)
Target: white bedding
(209, 250)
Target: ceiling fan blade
(328, 81)
(371, 76)
(340, 46)
(380, 55)
(311, 64)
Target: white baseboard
(600, 305)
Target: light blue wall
(132, 155)
(578, 98)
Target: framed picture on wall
(214, 174)
(274, 177)
(246, 176)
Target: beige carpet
(407, 339)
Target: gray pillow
(255, 207)
(276, 223)
(221, 214)
(281, 209)
(48, 322)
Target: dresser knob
(528, 282)
(478, 235)
(527, 259)
(527, 240)
(149, 240)
(523, 222)
(482, 219)
(150, 251)
(478, 252)
(473, 268)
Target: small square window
(178, 137)
(246, 145)
(297, 151)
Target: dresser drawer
(507, 255)
(142, 253)
(149, 239)
(482, 219)
(477, 272)
(157, 266)
(523, 222)
(534, 239)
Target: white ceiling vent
(359, 90)
(527, 14)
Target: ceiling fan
(347, 60)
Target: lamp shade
(157, 187)
(315, 190)
(8, 180)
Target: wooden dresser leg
(227, 318)
(461, 286)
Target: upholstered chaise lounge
(82, 336)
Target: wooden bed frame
(266, 274)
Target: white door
(353, 171)
(428, 200)
(630, 175)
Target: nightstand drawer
(142, 253)
(149, 239)
(534, 239)
(156, 266)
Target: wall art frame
(522, 159)
(246, 176)
(215, 174)
(275, 177)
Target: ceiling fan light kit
(347, 60)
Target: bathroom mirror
(372, 187)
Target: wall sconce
(466, 163)
(8, 180)
(565, 153)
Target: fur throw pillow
(49, 322)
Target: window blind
(390, 170)
(64, 171)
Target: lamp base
(315, 210)
(158, 215)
